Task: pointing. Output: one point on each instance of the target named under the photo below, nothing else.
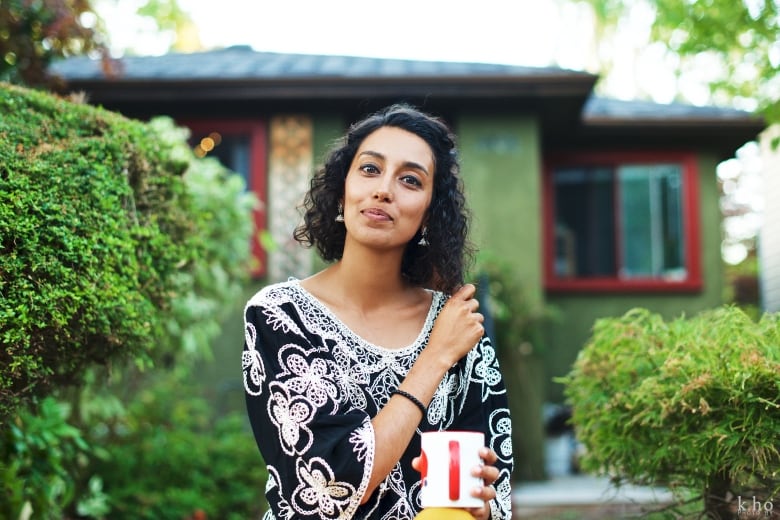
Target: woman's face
(388, 188)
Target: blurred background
(671, 105)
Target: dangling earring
(423, 233)
(340, 214)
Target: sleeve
(484, 407)
(319, 453)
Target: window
(241, 146)
(622, 222)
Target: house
(600, 205)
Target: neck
(368, 273)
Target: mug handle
(454, 470)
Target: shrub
(172, 457)
(693, 404)
(39, 454)
(95, 230)
(118, 245)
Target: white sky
(521, 32)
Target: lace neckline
(418, 341)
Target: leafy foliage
(39, 452)
(740, 36)
(33, 34)
(96, 229)
(169, 456)
(119, 245)
(166, 456)
(693, 403)
(221, 225)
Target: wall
(500, 162)
(579, 311)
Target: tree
(738, 41)
(33, 33)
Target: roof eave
(722, 135)
(108, 90)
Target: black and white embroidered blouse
(313, 386)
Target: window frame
(690, 215)
(256, 130)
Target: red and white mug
(445, 466)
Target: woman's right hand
(459, 326)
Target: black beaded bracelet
(412, 398)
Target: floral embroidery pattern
(252, 363)
(501, 434)
(487, 370)
(313, 380)
(362, 439)
(437, 409)
(318, 493)
(285, 512)
(291, 416)
(313, 386)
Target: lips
(376, 214)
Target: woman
(344, 369)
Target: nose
(383, 190)
(383, 195)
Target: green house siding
(578, 312)
(500, 162)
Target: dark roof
(626, 123)
(241, 74)
(241, 62)
(600, 110)
(240, 81)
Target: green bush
(40, 452)
(95, 232)
(692, 403)
(166, 456)
(170, 456)
(221, 223)
(118, 245)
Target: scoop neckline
(296, 283)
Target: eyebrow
(407, 164)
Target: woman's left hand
(489, 474)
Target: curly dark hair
(442, 263)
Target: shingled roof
(241, 62)
(239, 79)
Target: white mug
(445, 467)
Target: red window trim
(691, 224)
(257, 131)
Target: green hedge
(692, 403)
(94, 227)
(121, 250)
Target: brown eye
(411, 180)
